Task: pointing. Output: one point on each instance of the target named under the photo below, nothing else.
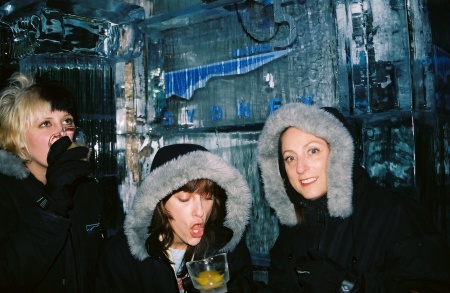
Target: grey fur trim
(174, 174)
(316, 121)
(12, 165)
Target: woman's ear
(23, 148)
(25, 152)
(23, 145)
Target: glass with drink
(76, 134)
(210, 275)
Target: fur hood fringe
(176, 173)
(325, 125)
(12, 165)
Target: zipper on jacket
(320, 216)
(322, 220)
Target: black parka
(127, 266)
(378, 239)
(41, 251)
(122, 272)
(387, 243)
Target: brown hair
(161, 233)
(287, 185)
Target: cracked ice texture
(90, 28)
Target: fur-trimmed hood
(197, 163)
(12, 165)
(321, 123)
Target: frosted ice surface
(60, 26)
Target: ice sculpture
(40, 27)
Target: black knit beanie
(171, 152)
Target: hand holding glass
(210, 275)
(78, 137)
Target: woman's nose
(62, 132)
(302, 165)
(198, 206)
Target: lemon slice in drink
(209, 279)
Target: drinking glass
(210, 275)
(78, 137)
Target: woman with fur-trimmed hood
(340, 232)
(192, 205)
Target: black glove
(319, 273)
(66, 167)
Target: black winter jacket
(371, 236)
(41, 251)
(121, 272)
(387, 245)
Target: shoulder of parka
(11, 165)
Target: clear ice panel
(61, 26)
(90, 79)
(306, 73)
(373, 42)
(385, 146)
(355, 55)
(441, 63)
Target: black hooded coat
(127, 265)
(367, 237)
(41, 251)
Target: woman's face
(305, 158)
(189, 212)
(37, 139)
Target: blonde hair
(22, 103)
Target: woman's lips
(197, 230)
(308, 181)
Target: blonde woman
(49, 208)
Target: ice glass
(210, 275)
(79, 138)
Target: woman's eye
(208, 196)
(183, 198)
(68, 121)
(314, 151)
(45, 124)
(288, 159)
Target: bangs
(201, 186)
(32, 109)
(58, 96)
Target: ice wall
(39, 27)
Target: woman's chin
(194, 241)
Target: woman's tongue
(197, 231)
